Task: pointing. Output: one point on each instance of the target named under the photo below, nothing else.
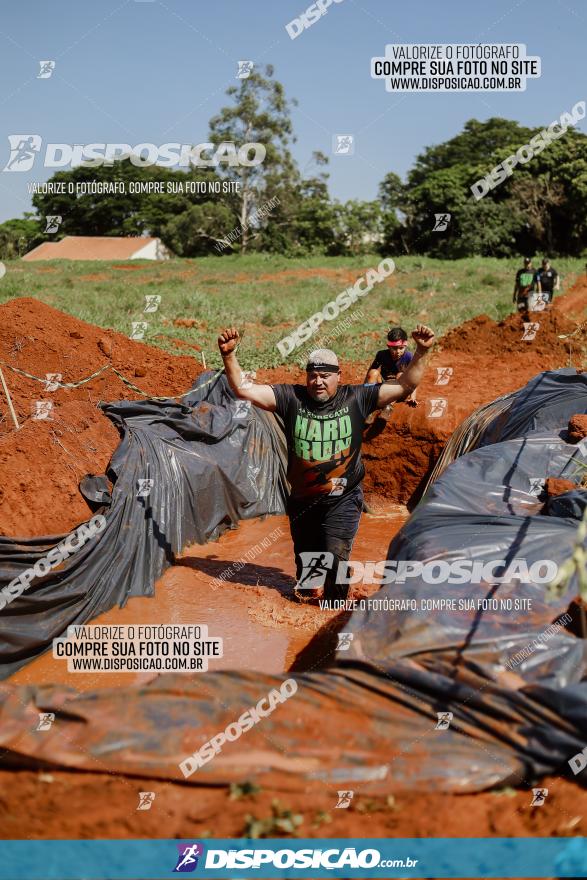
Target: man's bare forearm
(233, 372)
(414, 373)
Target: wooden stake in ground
(9, 399)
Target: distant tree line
(540, 208)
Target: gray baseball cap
(322, 359)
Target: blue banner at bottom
(235, 858)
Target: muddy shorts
(324, 527)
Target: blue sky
(156, 72)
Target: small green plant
(372, 806)
(246, 789)
(575, 564)
(321, 818)
(283, 821)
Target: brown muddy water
(252, 609)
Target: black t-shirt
(324, 439)
(524, 280)
(547, 278)
(383, 361)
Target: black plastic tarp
(514, 686)
(213, 460)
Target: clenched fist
(423, 337)
(228, 340)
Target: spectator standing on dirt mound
(547, 281)
(324, 423)
(523, 286)
(388, 364)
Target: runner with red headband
(388, 364)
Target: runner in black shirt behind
(324, 423)
(547, 280)
(388, 364)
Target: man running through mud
(324, 423)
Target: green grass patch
(234, 290)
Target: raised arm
(409, 380)
(261, 395)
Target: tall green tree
(540, 207)
(260, 113)
(359, 227)
(19, 236)
(392, 197)
(120, 214)
(198, 230)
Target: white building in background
(100, 247)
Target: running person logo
(42, 410)
(444, 719)
(247, 378)
(242, 409)
(539, 795)
(139, 329)
(315, 568)
(52, 381)
(338, 485)
(245, 69)
(344, 641)
(530, 330)
(46, 69)
(146, 799)
(53, 222)
(144, 487)
(441, 222)
(23, 151)
(536, 485)
(437, 407)
(152, 302)
(187, 859)
(344, 800)
(443, 375)
(46, 719)
(343, 145)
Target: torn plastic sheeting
(212, 462)
(569, 504)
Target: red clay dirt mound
(41, 464)
(482, 335)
